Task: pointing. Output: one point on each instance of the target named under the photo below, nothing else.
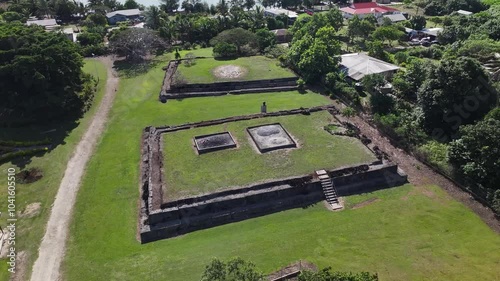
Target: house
(369, 8)
(275, 12)
(394, 18)
(282, 35)
(123, 15)
(432, 33)
(48, 24)
(358, 65)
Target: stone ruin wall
(160, 220)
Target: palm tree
(153, 17)
(223, 8)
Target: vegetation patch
(209, 70)
(188, 173)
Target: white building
(357, 66)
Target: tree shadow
(130, 69)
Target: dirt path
(52, 248)
(419, 174)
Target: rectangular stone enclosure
(271, 137)
(214, 142)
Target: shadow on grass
(52, 133)
(131, 69)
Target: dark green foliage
(273, 23)
(376, 50)
(131, 4)
(169, 5)
(328, 275)
(456, 92)
(381, 103)
(13, 16)
(359, 28)
(97, 19)
(237, 37)
(408, 82)
(40, 74)
(372, 82)
(225, 50)
(233, 270)
(476, 154)
(136, 43)
(86, 39)
(433, 52)
(387, 33)
(313, 56)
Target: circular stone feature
(229, 71)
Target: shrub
(301, 83)
(189, 59)
(225, 50)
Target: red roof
(367, 8)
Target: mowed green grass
(409, 234)
(188, 173)
(257, 67)
(53, 164)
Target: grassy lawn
(201, 52)
(30, 230)
(256, 68)
(189, 174)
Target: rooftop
(464, 12)
(367, 8)
(395, 17)
(127, 13)
(359, 65)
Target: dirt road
(52, 248)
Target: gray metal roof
(359, 65)
(395, 17)
(127, 13)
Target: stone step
(324, 177)
(321, 172)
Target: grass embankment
(255, 68)
(53, 164)
(410, 233)
(189, 174)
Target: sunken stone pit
(271, 137)
(214, 142)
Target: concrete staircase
(329, 190)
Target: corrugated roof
(395, 17)
(127, 13)
(359, 65)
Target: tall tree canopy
(40, 74)
(136, 43)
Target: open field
(53, 163)
(255, 68)
(409, 233)
(189, 174)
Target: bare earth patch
(229, 71)
(365, 203)
(31, 210)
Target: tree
(13, 16)
(64, 9)
(87, 38)
(222, 8)
(408, 82)
(476, 154)
(234, 270)
(225, 50)
(40, 75)
(456, 92)
(238, 37)
(170, 6)
(131, 4)
(265, 38)
(136, 43)
(97, 19)
(249, 4)
(359, 28)
(154, 18)
(493, 114)
(376, 50)
(389, 33)
(418, 22)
